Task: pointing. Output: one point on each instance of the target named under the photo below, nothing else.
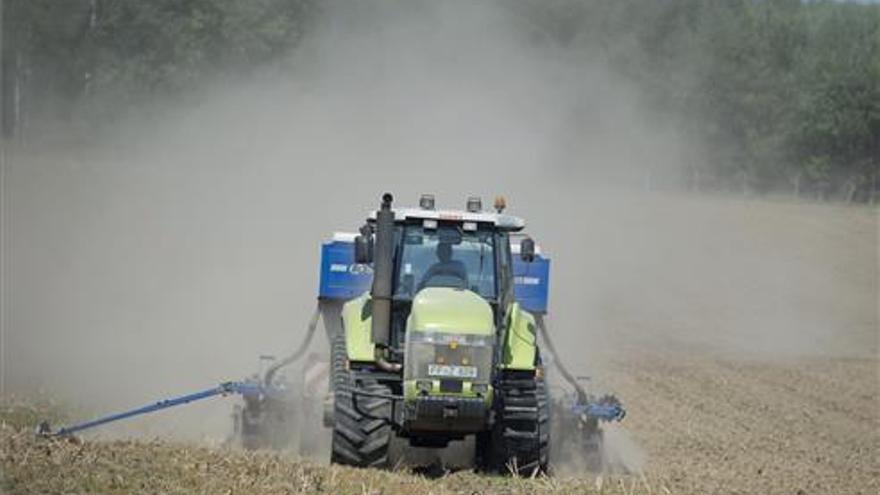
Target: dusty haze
(171, 255)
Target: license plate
(452, 371)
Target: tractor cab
(467, 250)
(463, 254)
(449, 256)
(484, 252)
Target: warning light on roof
(500, 204)
(426, 202)
(474, 204)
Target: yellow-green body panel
(446, 310)
(357, 321)
(450, 311)
(519, 342)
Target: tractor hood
(446, 310)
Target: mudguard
(519, 340)
(356, 321)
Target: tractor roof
(498, 220)
(514, 240)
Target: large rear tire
(362, 429)
(520, 436)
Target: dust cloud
(186, 244)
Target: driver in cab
(446, 272)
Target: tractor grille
(421, 355)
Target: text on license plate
(452, 371)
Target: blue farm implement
(250, 390)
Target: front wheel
(362, 429)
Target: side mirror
(363, 249)
(527, 250)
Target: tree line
(782, 94)
(89, 60)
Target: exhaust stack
(383, 268)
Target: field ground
(727, 426)
(762, 377)
(706, 426)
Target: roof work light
(426, 202)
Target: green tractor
(441, 347)
(433, 318)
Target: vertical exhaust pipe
(383, 271)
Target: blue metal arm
(604, 412)
(243, 388)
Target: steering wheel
(451, 274)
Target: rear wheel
(520, 434)
(362, 430)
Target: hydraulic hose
(299, 352)
(581, 393)
(384, 365)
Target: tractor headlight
(424, 386)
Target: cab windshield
(446, 256)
